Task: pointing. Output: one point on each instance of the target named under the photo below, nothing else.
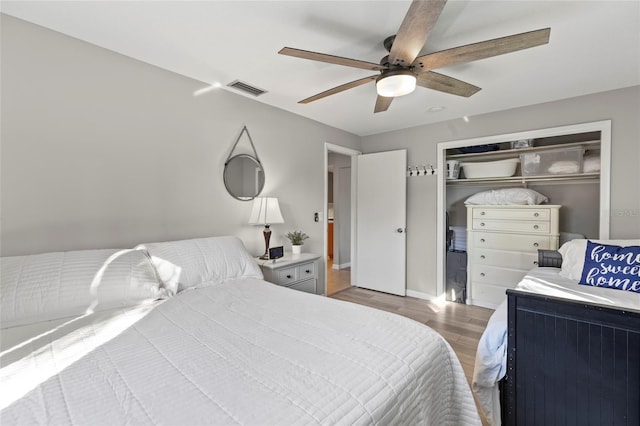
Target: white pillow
(573, 253)
(202, 261)
(48, 286)
(507, 196)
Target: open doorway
(339, 198)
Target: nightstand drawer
(307, 285)
(308, 270)
(286, 276)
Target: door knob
(400, 230)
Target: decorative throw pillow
(573, 255)
(507, 196)
(612, 267)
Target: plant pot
(296, 249)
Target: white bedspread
(247, 352)
(491, 357)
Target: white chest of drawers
(299, 272)
(502, 245)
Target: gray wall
(101, 150)
(621, 106)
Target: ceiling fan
(403, 69)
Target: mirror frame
(227, 182)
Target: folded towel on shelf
(563, 167)
(591, 164)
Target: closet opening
(569, 166)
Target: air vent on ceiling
(247, 88)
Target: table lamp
(265, 211)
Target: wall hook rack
(423, 170)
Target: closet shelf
(575, 178)
(515, 153)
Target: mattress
(491, 356)
(240, 352)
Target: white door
(380, 222)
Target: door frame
(604, 127)
(337, 149)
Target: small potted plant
(297, 240)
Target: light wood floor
(337, 279)
(460, 325)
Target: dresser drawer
(307, 270)
(286, 276)
(512, 214)
(513, 259)
(503, 277)
(534, 227)
(515, 242)
(487, 295)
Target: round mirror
(243, 177)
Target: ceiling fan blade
(412, 34)
(382, 103)
(442, 83)
(339, 89)
(338, 60)
(481, 50)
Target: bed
(558, 352)
(207, 341)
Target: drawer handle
(536, 214)
(536, 244)
(481, 223)
(535, 227)
(482, 240)
(289, 276)
(482, 256)
(482, 274)
(308, 271)
(482, 213)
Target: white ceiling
(594, 47)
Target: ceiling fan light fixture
(396, 83)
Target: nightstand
(299, 272)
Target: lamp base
(267, 235)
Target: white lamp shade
(396, 83)
(265, 211)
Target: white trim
(604, 127)
(341, 266)
(420, 295)
(482, 304)
(329, 147)
(605, 179)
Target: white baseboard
(420, 295)
(482, 304)
(341, 266)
